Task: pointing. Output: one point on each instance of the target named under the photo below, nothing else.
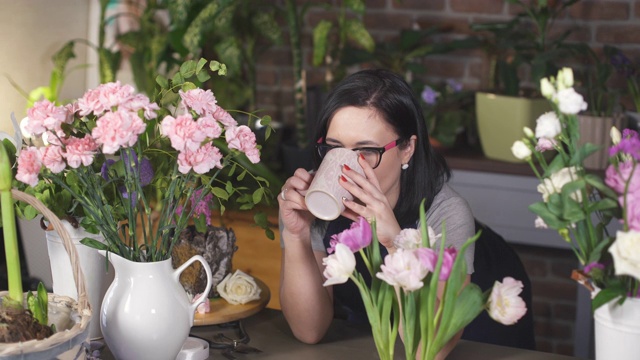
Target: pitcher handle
(207, 269)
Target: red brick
(563, 269)
(541, 308)
(477, 6)
(637, 9)
(560, 331)
(599, 10)
(578, 33)
(564, 349)
(387, 21)
(276, 57)
(535, 267)
(554, 290)
(418, 4)
(266, 77)
(453, 25)
(618, 34)
(444, 67)
(565, 311)
(544, 345)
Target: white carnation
(548, 126)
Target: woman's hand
(371, 202)
(293, 211)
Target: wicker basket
(70, 316)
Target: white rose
(569, 101)
(238, 288)
(626, 253)
(548, 126)
(520, 150)
(556, 181)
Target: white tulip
(339, 265)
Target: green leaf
(188, 68)
(320, 41)
(257, 195)
(220, 193)
(242, 175)
(162, 81)
(188, 86)
(357, 32)
(93, 243)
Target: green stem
(14, 272)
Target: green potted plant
(522, 42)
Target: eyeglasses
(373, 155)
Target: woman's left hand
(372, 204)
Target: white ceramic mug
(324, 196)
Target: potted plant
(522, 42)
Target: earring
(405, 166)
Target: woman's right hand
(294, 214)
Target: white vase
(146, 314)
(96, 271)
(617, 330)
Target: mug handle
(207, 270)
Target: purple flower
(145, 171)
(629, 144)
(622, 64)
(454, 85)
(593, 265)
(201, 207)
(357, 237)
(105, 168)
(429, 95)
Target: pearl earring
(405, 166)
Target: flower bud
(565, 78)
(546, 88)
(528, 132)
(520, 150)
(615, 135)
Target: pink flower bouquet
(405, 284)
(123, 157)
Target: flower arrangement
(130, 162)
(580, 205)
(404, 287)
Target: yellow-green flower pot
(501, 120)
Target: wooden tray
(223, 312)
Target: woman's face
(354, 127)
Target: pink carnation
(80, 151)
(29, 164)
(242, 138)
(209, 127)
(183, 132)
(104, 98)
(116, 129)
(44, 115)
(202, 160)
(224, 117)
(201, 101)
(141, 102)
(53, 158)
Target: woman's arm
(306, 304)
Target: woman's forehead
(359, 123)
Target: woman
(374, 113)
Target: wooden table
(269, 332)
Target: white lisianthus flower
(546, 88)
(569, 101)
(520, 150)
(615, 135)
(238, 288)
(565, 78)
(339, 265)
(626, 253)
(548, 126)
(556, 181)
(505, 306)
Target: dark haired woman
(374, 113)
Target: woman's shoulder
(448, 200)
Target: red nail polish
(361, 156)
(342, 178)
(346, 167)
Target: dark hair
(391, 97)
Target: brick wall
(596, 22)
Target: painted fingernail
(346, 167)
(342, 178)
(361, 156)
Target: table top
(269, 332)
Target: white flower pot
(146, 314)
(617, 330)
(94, 267)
